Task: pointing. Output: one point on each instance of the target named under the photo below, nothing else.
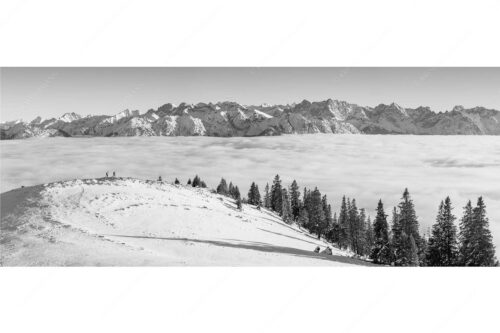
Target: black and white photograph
(236, 166)
(250, 166)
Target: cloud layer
(364, 167)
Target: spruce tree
(335, 230)
(286, 210)
(267, 197)
(316, 213)
(196, 181)
(276, 195)
(303, 217)
(370, 237)
(251, 193)
(222, 187)
(344, 240)
(189, 181)
(398, 250)
(381, 252)
(404, 230)
(442, 248)
(177, 182)
(483, 253)
(465, 236)
(295, 199)
(413, 252)
(353, 220)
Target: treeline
(397, 244)
(230, 191)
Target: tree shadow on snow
(262, 247)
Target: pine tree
(286, 210)
(408, 217)
(254, 195)
(465, 236)
(267, 197)
(295, 199)
(405, 229)
(177, 182)
(369, 237)
(344, 239)
(203, 184)
(303, 217)
(361, 232)
(189, 181)
(398, 250)
(222, 187)
(381, 250)
(413, 252)
(276, 195)
(352, 216)
(238, 203)
(335, 230)
(231, 190)
(236, 193)
(196, 181)
(316, 213)
(442, 247)
(483, 250)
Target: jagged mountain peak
(69, 117)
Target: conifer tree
(381, 249)
(398, 250)
(303, 218)
(408, 217)
(230, 190)
(276, 195)
(477, 248)
(203, 184)
(254, 195)
(177, 182)
(352, 216)
(189, 181)
(413, 252)
(405, 229)
(335, 230)
(295, 199)
(286, 210)
(370, 237)
(196, 181)
(344, 239)
(465, 236)
(236, 193)
(222, 187)
(316, 213)
(442, 247)
(267, 197)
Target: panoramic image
(250, 166)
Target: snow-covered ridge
(233, 119)
(124, 221)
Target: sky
(50, 92)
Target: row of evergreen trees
(399, 245)
(230, 191)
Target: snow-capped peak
(69, 117)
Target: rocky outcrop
(226, 119)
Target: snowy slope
(133, 222)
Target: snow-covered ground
(124, 221)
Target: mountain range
(227, 119)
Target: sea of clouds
(365, 167)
